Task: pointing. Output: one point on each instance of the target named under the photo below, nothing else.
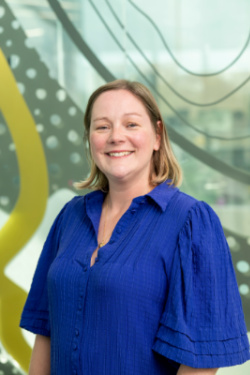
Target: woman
(136, 277)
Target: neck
(121, 195)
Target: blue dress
(161, 292)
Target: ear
(159, 126)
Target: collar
(162, 194)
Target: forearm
(40, 358)
(185, 370)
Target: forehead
(117, 102)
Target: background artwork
(53, 55)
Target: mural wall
(53, 55)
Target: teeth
(120, 153)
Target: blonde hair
(165, 165)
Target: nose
(116, 135)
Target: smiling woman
(140, 106)
(135, 277)
(121, 143)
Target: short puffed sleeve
(202, 325)
(35, 315)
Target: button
(85, 269)
(118, 230)
(74, 372)
(133, 211)
(80, 307)
(75, 347)
(77, 332)
(96, 260)
(111, 241)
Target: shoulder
(202, 232)
(77, 207)
(182, 205)
(71, 207)
(75, 203)
(184, 199)
(79, 201)
(195, 208)
(200, 223)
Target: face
(122, 137)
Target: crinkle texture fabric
(161, 293)
(203, 324)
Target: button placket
(78, 321)
(124, 225)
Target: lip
(119, 153)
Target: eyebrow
(132, 114)
(125, 115)
(100, 118)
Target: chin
(118, 177)
(119, 173)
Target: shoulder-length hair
(165, 165)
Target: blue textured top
(162, 290)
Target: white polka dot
(61, 95)
(9, 43)
(52, 142)
(14, 61)
(72, 111)
(242, 266)
(55, 119)
(4, 201)
(37, 112)
(2, 129)
(40, 128)
(12, 147)
(41, 94)
(233, 244)
(31, 73)
(73, 136)
(21, 87)
(244, 289)
(75, 157)
(15, 24)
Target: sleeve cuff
(36, 325)
(201, 354)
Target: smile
(119, 154)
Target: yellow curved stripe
(28, 212)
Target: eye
(102, 127)
(132, 125)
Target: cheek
(145, 141)
(96, 143)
